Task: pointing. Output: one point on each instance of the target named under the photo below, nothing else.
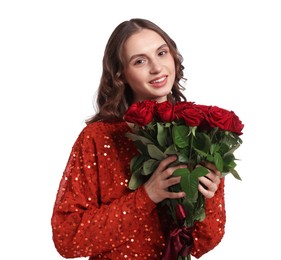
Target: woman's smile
(159, 82)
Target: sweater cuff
(143, 202)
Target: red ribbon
(180, 214)
(180, 240)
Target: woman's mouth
(159, 82)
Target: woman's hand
(209, 183)
(157, 185)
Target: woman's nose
(155, 66)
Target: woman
(95, 214)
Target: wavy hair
(114, 96)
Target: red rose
(203, 108)
(141, 113)
(224, 119)
(189, 113)
(165, 111)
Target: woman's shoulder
(97, 128)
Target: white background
(50, 66)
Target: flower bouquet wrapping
(196, 134)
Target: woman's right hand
(157, 185)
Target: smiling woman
(95, 214)
(149, 67)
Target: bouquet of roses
(196, 134)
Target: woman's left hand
(209, 183)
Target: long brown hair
(114, 95)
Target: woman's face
(149, 67)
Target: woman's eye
(161, 53)
(140, 61)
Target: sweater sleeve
(82, 226)
(210, 231)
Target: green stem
(190, 152)
(184, 257)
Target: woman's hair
(114, 95)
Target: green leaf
(199, 209)
(218, 161)
(196, 210)
(200, 152)
(184, 173)
(228, 158)
(223, 148)
(183, 156)
(171, 150)
(189, 183)
(142, 148)
(136, 163)
(135, 137)
(188, 205)
(200, 214)
(235, 174)
(202, 142)
(135, 180)
(232, 164)
(210, 158)
(150, 166)
(214, 148)
(180, 135)
(161, 135)
(232, 150)
(155, 153)
(192, 191)
(189, 208)
(199, 171)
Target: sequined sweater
(96, 215)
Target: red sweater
(97, 215)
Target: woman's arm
(81, 225)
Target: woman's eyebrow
(142, 54)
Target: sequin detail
(95, 214)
